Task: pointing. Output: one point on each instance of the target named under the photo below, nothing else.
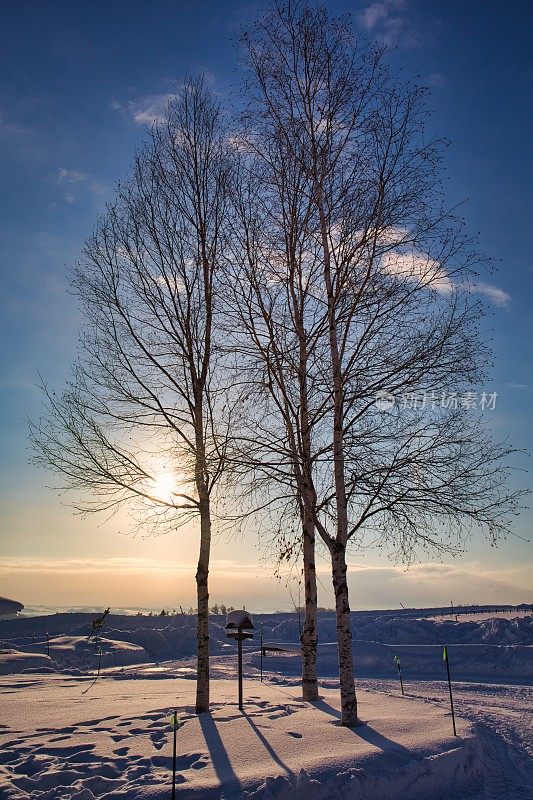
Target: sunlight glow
(164, 486)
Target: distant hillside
(8, 606)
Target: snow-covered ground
(67, 733)
(70, 651)
(482, 616)
(503, 715)
(115, 741)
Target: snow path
(503, 715)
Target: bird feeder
(239, 626)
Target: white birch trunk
(309, 635)
(202, 591)
(202, 572)
(344, 637)
(338, 550)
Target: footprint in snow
(34, 764)
(158, 739)
(82, 757)
(184, 762)
(202, 762)
(92, 722)
(285, 711)
(155, 715)
(137, 771)
(13, 743)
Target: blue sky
(79, 82)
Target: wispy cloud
(152, 108)
(145, 110)
(494, 294)
(9, 128)
(388, 21)
(151, 582)
(91, 565)
(434, 583)
(75, 180)
(419, 267)
(374, 15)
(436, 80)
(70, 175)
(414, 265)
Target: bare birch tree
(145, 394)
(389, 314)
(275, 330)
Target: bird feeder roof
(239, 619)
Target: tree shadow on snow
(219, 757)
(266, 744)
(370, 735)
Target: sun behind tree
(164, 486)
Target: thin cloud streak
(75, 179)
(150, 109)
(125, 582)
(146, 110)
(415, 265)
(494, 294)
(8, 128)
(70, 175)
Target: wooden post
(47, 644)
(239, 649)
(261, 643)
(239, 627)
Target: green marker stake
(175, 723)
(397, 662)
(261, 643)
(445, 658)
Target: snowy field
(116, 742)
(69, 733)
(482, 616)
